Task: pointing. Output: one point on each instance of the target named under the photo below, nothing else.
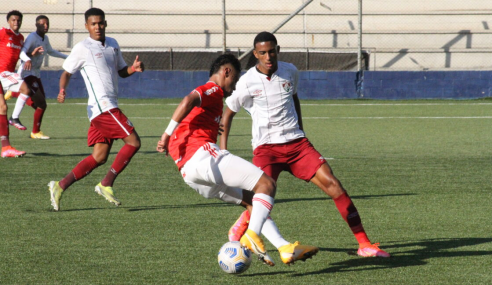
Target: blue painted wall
(389, 85)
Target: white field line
(324, 105)
(309, 118)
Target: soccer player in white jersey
(29, 70)
(100, 62)
(268, 91)
(191, 139)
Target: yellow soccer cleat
(55, 194)
(8, 95)
(254, 243)
(107, 192)
(39, 136)
(291, 253)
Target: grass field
(418, 172)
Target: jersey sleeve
(76, 59)
(51, 51)
(120, 62)
(28, 44)
(238, 98)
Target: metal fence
(314, 34)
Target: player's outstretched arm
(64, 80)
(189, 102)
(226, 124)
(137, 66)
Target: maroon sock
(351, 216)
(4, 130)
(38, 117)
(120, 162)
(80, 171)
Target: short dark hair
(94, 12)
(225, 59)
(264, 37)
(14, 13)
(40, 17)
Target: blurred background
(375, 35)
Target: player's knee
(3, 107)
(267, 185)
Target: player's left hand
(162, 145)
(138, 66)
(27, 65)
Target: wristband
(171, 127)
(62, 90)
(133, 69)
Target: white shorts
(216, 173)
(10, 81)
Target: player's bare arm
(64, 80)
(137, 66)
(297, 105)
(189, 102)
(226, 121)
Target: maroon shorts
(299, 157)
(108, 126)
(34, 84)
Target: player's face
(42, 26)
(15, 23)
(96, 25)
(231, 78)
(266, 53)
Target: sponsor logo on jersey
(211, 90)
(287, 86)
(257, 93)
(321, 158)
(11, 45)
(99, 55)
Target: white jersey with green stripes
(98, 65)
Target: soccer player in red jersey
(191, 139)
(100, 63)
(11, 42)
(268, 91)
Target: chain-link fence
(313, 34)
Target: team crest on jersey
(287, 86)
(211, 90)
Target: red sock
(4, 130)
(38, 117)
(80, 171)
(351, 216)
(120, 162)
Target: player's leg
(327, 182)
(25, 92)
(7, 149)
(38, 102)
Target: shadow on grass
(162, 207)
(277, 201)
(426, 249)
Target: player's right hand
(162, 145)
(61, 96)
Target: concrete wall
(313, 84)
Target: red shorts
(108, 126)
(299, 157)
(34, 84)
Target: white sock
(271, 233)
(262, 205)
(19, 105)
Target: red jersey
(200, 126)
(10, 48)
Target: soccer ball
(234, 258)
